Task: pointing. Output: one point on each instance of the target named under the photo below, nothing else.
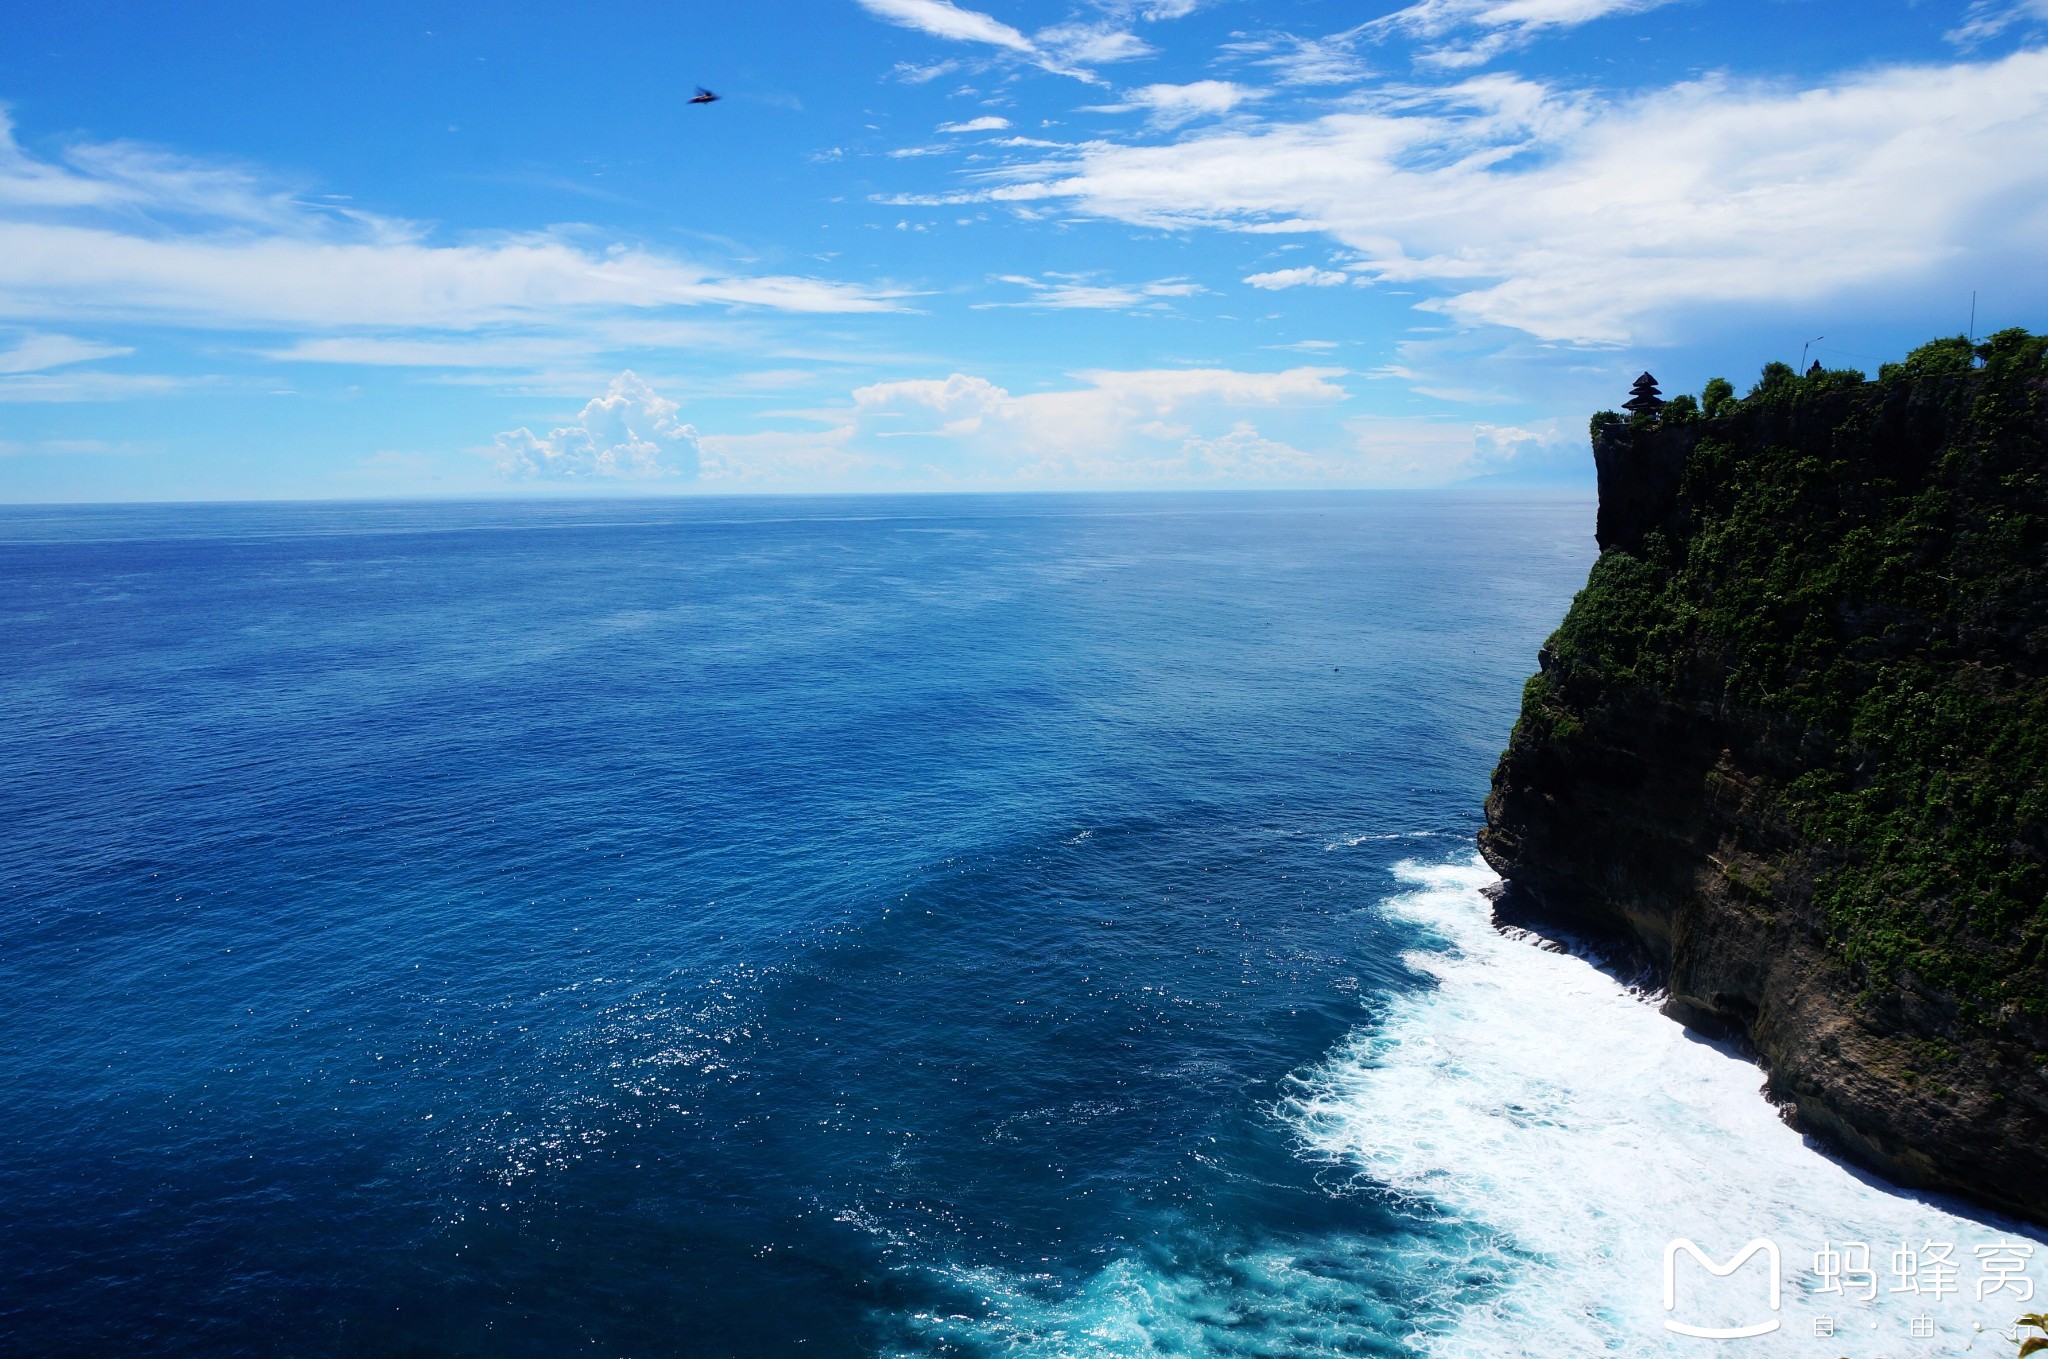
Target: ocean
(981, 926)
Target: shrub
(1776, 382)
(1950, 354)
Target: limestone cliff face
(1793, 737)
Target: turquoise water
(977, 926)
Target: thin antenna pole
(1973, 316)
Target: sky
(287, 250)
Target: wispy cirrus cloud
(1331, 60)
(1986, 19)
(1471, 32)
(37, 351)
(1173, 105)
(944, 19)
(91, 385)
(1073, 292)
(117, 232)
(1576, 217)
(1093, 44)
(1152, 11)
(286, 283)
(1067, 49)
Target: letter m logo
(1735, 1262)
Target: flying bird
(704, 96)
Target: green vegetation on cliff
(1875, 609)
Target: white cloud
(116, 231)
(35, 352)
(943, 19)
(910, 73)
(86, 384)
(987, 123)
(484, 351)
(629, 433)
(19, 448)
(560, 348)
(1096, 43)
(1150, 10)
(1504, 449)
(1172, 105)
(1499, 24)
(1066, 292)
(812, 459)
(1308, 276)
(124, 177)
(1100, 428)
(1056, 49)
(1118, 426)
(288, 283)
(1576, 218)
(1398, 451)
(1987, 19)
(1245, 455)
(1305, 61)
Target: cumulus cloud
(989, 123)
(1578, 218)
(1145, 427)
(1308, 276)
(123, 232)
(628, 434)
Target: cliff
(1793, 738)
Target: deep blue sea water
(769, 927)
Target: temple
(1643, 398)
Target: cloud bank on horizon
(1015, 245)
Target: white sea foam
(1551, 1132)
(1366, 837)
(1532, 1096)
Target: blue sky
(296, 250)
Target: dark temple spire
(1643, 398)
